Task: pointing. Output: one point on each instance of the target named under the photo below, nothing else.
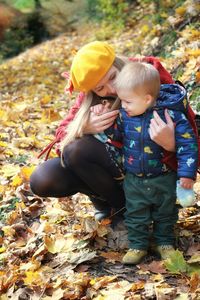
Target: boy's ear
(148, 99)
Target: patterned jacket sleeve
(186, 146)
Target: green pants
(150, 201)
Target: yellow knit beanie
(90, 64)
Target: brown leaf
(154, 267)
(194, 282)
(112, 256)
(193, 249)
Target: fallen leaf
(154, 267)
(112, 256)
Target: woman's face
(105, 86)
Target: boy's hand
(186, 183)
(100, 109)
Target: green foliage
(176, 264)
(16, 40)
(179, 72)
(112, 12)
(20, 159)
(195, 98)
(28, 5)
(165, 41)
(5, 209)
(23, 4)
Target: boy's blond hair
(139, 77)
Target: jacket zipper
(142, 143)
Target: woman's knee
(76, 152)
(35, 182)
(45, 176)
(38, 182)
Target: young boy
(149, 184)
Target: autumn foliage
(53, 248)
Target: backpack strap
(180, 83)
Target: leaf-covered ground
(52, 248)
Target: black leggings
(88, 169)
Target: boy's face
(134, 103)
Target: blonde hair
(76, 128)
(139, 76)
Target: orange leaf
(105, 222)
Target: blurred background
(167, 29)
(25, 23)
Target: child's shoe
(186, 197)
(165, 251)
(133, 256)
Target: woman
(89, 166)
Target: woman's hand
(98, 123)
(163, 133)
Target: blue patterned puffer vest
(142, 156)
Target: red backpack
(165, 77)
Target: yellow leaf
(26, 172)
(145, 29)
(20, 107)
(59, 243)
(50, 115)
(157, 277)
(2, 249)
(16, 181)
(20, 205)
(195, 52)
(180, 10)
(9, 152)
(99, 297)
(10, 170)
(195, 33)
(32, 278)
(23, 142)
(4, 135)
(46, 99)
(164, 15)
(3, 114)
(3, 144)
(8, 231)
(2, 189)
(4, 297)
